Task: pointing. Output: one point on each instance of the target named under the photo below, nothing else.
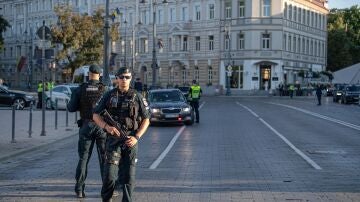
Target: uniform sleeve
(101, 103)
(74, 102)
(144, 110)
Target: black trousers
(319, 99)
(118, 157)
(89, 134)
(39, 104)
(195, 105)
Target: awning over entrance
(265, 63)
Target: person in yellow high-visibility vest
(39, 90)
(194, 95)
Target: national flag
(21, 63)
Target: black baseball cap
(123, 70)
(95, 69)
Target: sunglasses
(123, 77)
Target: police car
(169, 106)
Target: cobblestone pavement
(244, 149)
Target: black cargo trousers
(89, 135)
(119, 156)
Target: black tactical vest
(90, 94)
(123, 108)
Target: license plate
(171, 115)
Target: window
(237, 77)
(295, 13)
(160, 17)
(303, 16)
(183, 75)
(312, 19)
(170, 45)
(284, 42)
(211, 11)
(241, 42)
(298, 45)
(172, 14)
(266, 8)
(307, 46)
(144, 17)
(299, 15)
(308, 18)
(228, 9)
(185, 40)
(285, 10)
(197, 12)
(289, 43)
(290, 12)
(265, 41)
(303, 45)
(196, 73)
(311, 48)
(197, 43)
(122, 46)
(211, 42)
(144, 46)
(241, 13)
(210, 75)
(294, 44)
(227, 41)
(184, 14)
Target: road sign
(40, 33)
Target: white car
(62, 93)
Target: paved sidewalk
(24, 143)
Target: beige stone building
(266, 42)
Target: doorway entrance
(265, 75)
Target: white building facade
(266, 42)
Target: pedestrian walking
(318, 93)
(130, 110)
(194, 95)
(291, 90)
(40, 94)
(84, 99)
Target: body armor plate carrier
(90, 94)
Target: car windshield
(354, 88)
(184, 89)
(166, 96)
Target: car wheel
(48, 104)
(191, 122)
(19, 103)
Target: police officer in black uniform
(128, 108)
(84, 99)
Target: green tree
(81, 36)
(343, 38)
(3, 26)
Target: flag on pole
(21, 63)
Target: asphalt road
(244, 149)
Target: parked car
(62, 93)
(350, 94)
(19, 99)
(170, 106)
(338, 92)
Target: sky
(343, 3)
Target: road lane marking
(298, 151)
(170, 145)
(350, 125)
(156, 163)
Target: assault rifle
(111, 122)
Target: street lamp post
(154, 59)
(228, 58)
(106, 79)
(30, 57)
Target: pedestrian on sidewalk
(84, 99)
(40, 94)
(318, 94)
(291, 90)
(128, 108)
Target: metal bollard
(67, 115)
(30, 119)
(56, 114)
(13, 126)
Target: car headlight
(155, 110)
(338, 93)
(186, 109)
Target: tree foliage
(343, 38)
(3, 26)
(81, 36)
